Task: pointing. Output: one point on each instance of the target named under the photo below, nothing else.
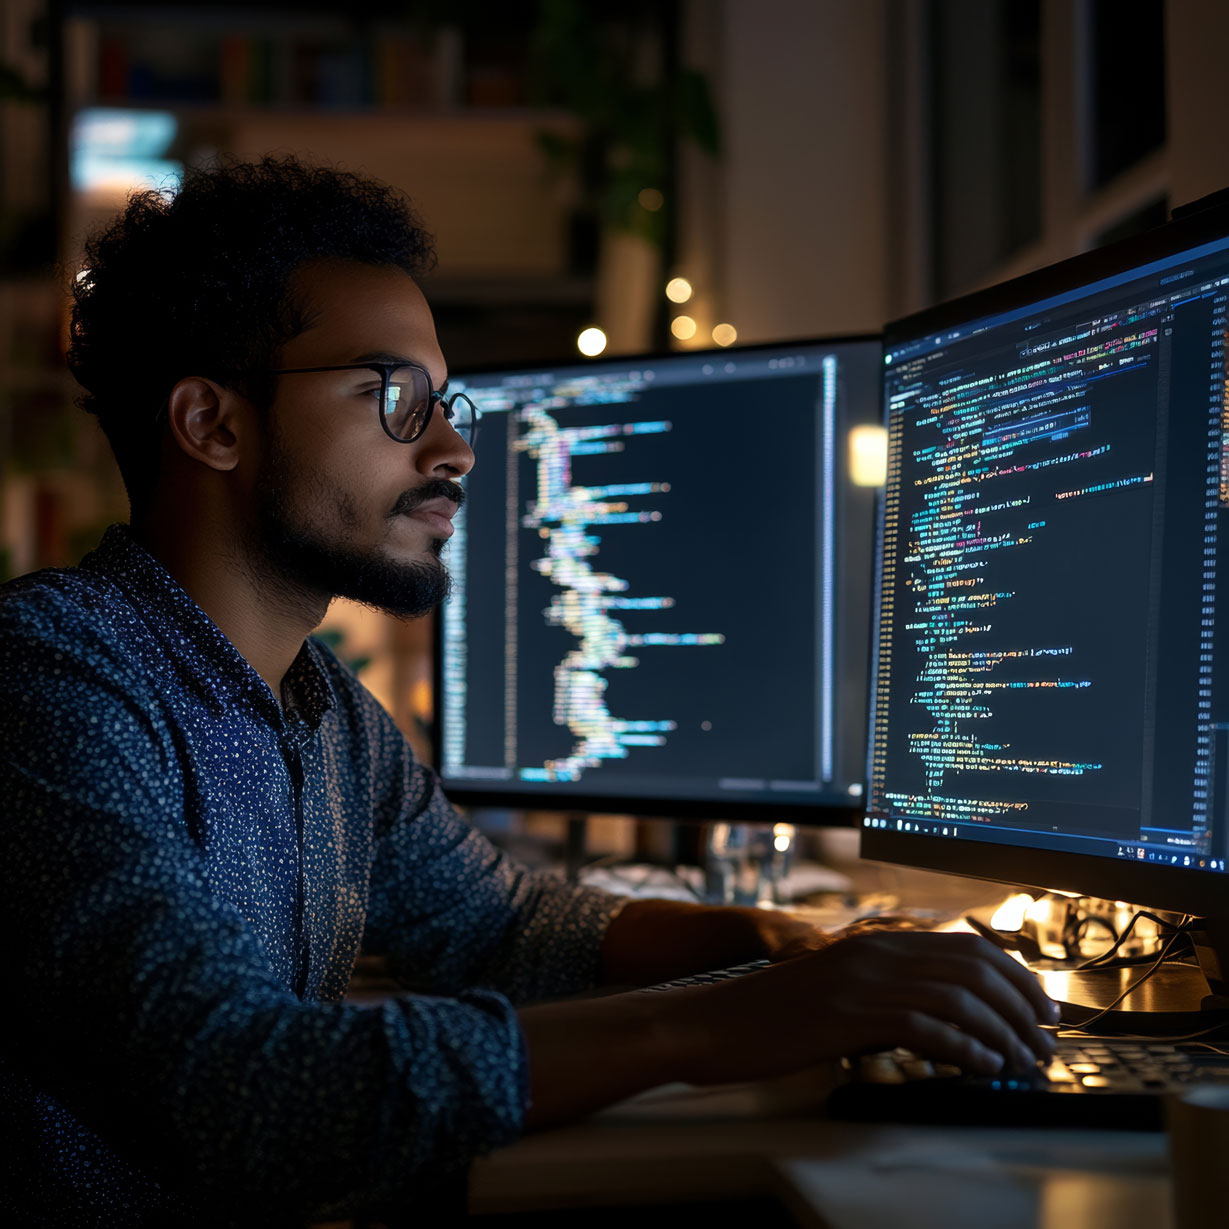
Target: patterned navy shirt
(188, 873)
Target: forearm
(656, 940)
(588, 1053)
(951, 998)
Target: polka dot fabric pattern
(189, 871)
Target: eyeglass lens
(408, 405)
(407, 402)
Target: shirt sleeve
(448, 909)
(144, 1004)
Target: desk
(680, 1145)
(771, 1141)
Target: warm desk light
(868, 455)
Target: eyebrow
(384, 356)
(387, 356)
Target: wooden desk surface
(678, 1144)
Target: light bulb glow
(678, 290)
(868, 455)
(683, 327)
(725, 334)
(1009, 916)
(591, 342)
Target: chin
(423, 551)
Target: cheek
(342, 469)
(364, 489)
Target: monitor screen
(662, 586)
(1051, 691)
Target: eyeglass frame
(385, 371)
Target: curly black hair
(198, 283)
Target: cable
(1106, 956)
(1074, 935)
(1180, 932)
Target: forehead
(355, 309)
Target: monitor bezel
(807, 814)
(1175, 888)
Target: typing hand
(952, 998)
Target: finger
(928, 1037)
(1002, 996)
(1044, 1009)
(958, 1005)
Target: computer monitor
(1051, 679)
(662, 586)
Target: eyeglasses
(407, 400)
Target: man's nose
(440, 449)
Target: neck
(264, 617)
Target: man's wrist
(783, 936)
(657, 940)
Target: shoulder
(38, 598)
(68, 624)
(80, 716)
(60, 603)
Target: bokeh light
(678, 290)
(591, 342)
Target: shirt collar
(191, 636)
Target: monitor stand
(574, 849)
(1175, 1000)
(744, 864)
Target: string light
(725, 334)
(683, 327)
(678, 290)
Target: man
(207, 816)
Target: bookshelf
(271, 58)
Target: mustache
(433, 488)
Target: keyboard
(1091, 1082)
(706, 979)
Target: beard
(304, 557)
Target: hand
(952, 998)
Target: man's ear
(206, 421)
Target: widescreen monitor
(1051, 687)
(662, 584)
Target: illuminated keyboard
(1091, 1082)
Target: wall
(1197, 33)
(803, 88)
